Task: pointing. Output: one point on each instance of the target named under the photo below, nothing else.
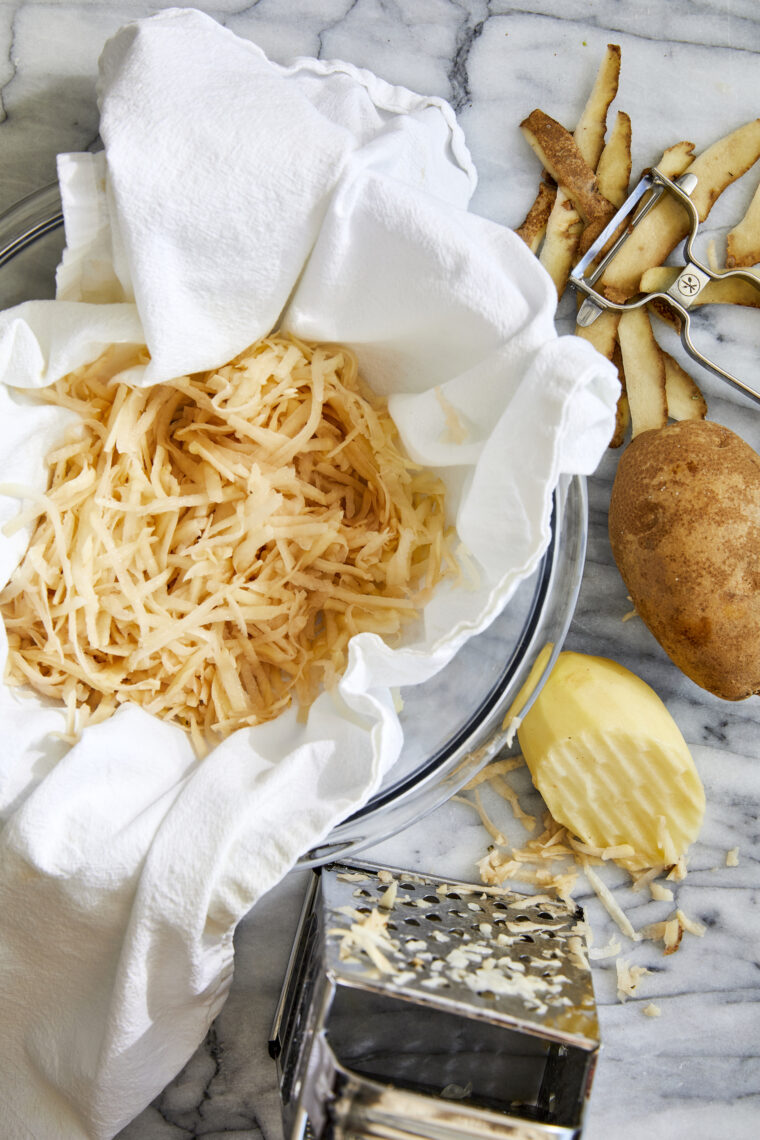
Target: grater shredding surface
(499, 955)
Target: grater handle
(293, 966)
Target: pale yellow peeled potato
(609, 760)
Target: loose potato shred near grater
(687, 287)
(435, 1009)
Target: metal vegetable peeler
(685, 289)
(418, 1007)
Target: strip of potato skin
(592, 125)
(613, 170)
(676, 159)
(644, 370)
(613, 174)
(533, 228)
(622, 408)
(684, 399)
(564, 225)
(602, 334)
(563, 233)
(559, 153)
(743, 241)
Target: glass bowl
(452, 723)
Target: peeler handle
(716, 369)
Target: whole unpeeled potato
(684, 526)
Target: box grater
(418, 1007)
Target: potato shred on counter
(208, 546)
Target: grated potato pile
(207, 546)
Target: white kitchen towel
(235, 195)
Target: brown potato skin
(684, 527)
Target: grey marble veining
(690, 70)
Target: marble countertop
(690, 70)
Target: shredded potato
(208, 546)
(533, 862)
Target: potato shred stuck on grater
(419, 1007)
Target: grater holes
(457, 932)
(545, 916)
(411, 922)
(453, 895)
(431, 899)
(433, 917)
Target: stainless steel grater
(418, 1007)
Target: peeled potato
(610, 761)
(684, 526)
